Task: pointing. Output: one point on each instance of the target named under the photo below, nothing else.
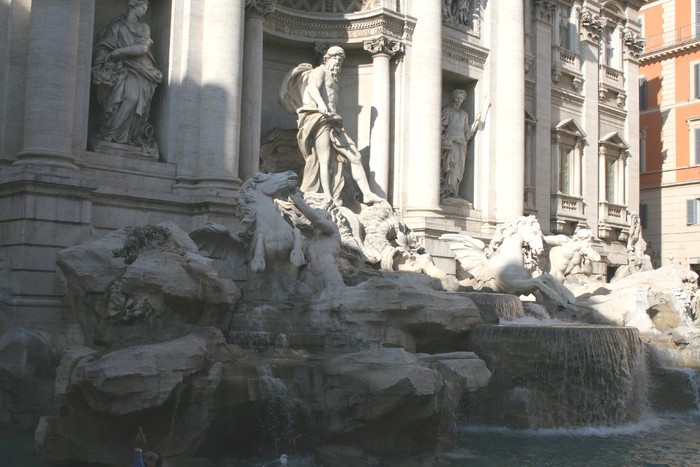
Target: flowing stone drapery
(509, 109)
(51, 82)
(220, 113)
(382, 49)
(422, 187)
(251, 101)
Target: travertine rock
(166, 291)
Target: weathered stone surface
(396, 310)
(161, 367)
(138, 377)
(162, 294)
(649, 300)
(28, 362)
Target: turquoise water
(665, 440)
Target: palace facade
(670, 132)
(555, 82)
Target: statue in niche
(457, 11)
(456, 134)
(125, 77)
(312, 93)
(569, 253)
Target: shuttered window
(692, 211)
(643, 215)
(696, 149)
(696, 80)
(643, 104)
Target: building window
(693, 208)
(567, 29)
(643, 215)
(694, 129)
(610, 175)
(565, 173)
(696, 80)
(613, 169)
(567, 157)
(643, 90)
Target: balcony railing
(679, 36)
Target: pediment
(615, 140)
(570, 127)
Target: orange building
(670, 131)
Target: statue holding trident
(456, 134)
(312, 93)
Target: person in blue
(143, 458)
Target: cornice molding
(353, 28)
(464, 52)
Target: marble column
(251, 102)
(509, 110)
(382, 49)
(52, 61)
(422, 186)
(222, 77)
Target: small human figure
(456, 134)
(568, 253)
(126, 76)
(144, 458)
(313, 94)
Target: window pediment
(614, 140)
(571, 128)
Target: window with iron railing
(676, 37)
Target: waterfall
(503, 306)
(284, 416)
(559, 376)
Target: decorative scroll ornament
(383, 45)
(261, 7)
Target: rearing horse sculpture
(505, 265)
(265, 244)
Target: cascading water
(559, 376)
(285, 417)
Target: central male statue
(312, 93)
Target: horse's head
(531, 233)
(274, 184)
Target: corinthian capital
(634, 42)
(261, 7)
(382, 45)
(592, 24)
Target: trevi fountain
(316, 329)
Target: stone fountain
(216, 347)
